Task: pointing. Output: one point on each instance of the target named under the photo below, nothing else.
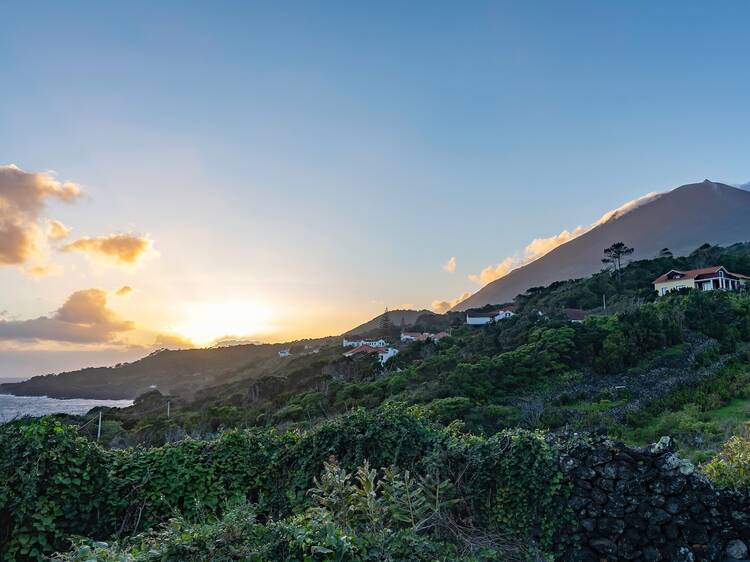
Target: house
(411, 336)
(384, 353)
(575, 314)
(482, 318)
(439, 336)
(705, 279)
(360, 342)
(284, 353)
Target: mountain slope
(398, 317)
(680, 220)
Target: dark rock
(603, 546)
(658, 501)
(658, 517)
(610, 526)
(568, 463)
(599, 456)
(651, 554)
(584, 554)
(585, 473)
(607, 485)
(588, 524)
(673, 506)
(736, 549)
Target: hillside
(406, 318)
(681, 220)
(172, 372)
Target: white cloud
(450, 265)
(541, 246)
(441, 307)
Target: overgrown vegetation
(463, 493)
(340, 460)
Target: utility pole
(167, 409)
(99, 430)
(604, 301)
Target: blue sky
(322, 160)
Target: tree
(665, 253)
(613, 256)
(386, 324)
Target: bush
(56, 484)
(731, 467)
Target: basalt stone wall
(648, 504)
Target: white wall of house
(371, 343)
(386, 354)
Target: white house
(360, 342)
(706, 279)
(284, 353)
(384, 353)
(482, 318)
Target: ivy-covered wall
(55, 484)
(573, 498)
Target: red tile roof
(697, 273)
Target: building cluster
(407, 337)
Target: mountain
(398, 317)
(181, 373)
(681, 220)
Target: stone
(607, 485)
(673, 506)
(658, 517)
(736, 549)
(603, 546)
(568, 463)
(585, 473)
(651, 554)
(599, 456)
(610, 526)
(588, 524)
(584, 554)
(663, 445)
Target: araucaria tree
(386, 324)
(613, 256)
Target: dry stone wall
(647, 504)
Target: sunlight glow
(207, 322)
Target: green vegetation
(324, 458)
(439, 490)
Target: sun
(207, 322)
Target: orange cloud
(124, 291)
(83, 318)
(541, 246)
(23, 197)
(57, 230)
(172, 341)
(115, 249)
(450, 265)
(442, 307)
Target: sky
(180, 171)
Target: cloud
(444, 306)
(83, 318)
(172, 341)
(115, 249)
(43, 270)
(541, 246)
(450, 265)
(23, 198)
(124, 291)
(56, 230)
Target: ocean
(12, 407)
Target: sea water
(12, 407)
